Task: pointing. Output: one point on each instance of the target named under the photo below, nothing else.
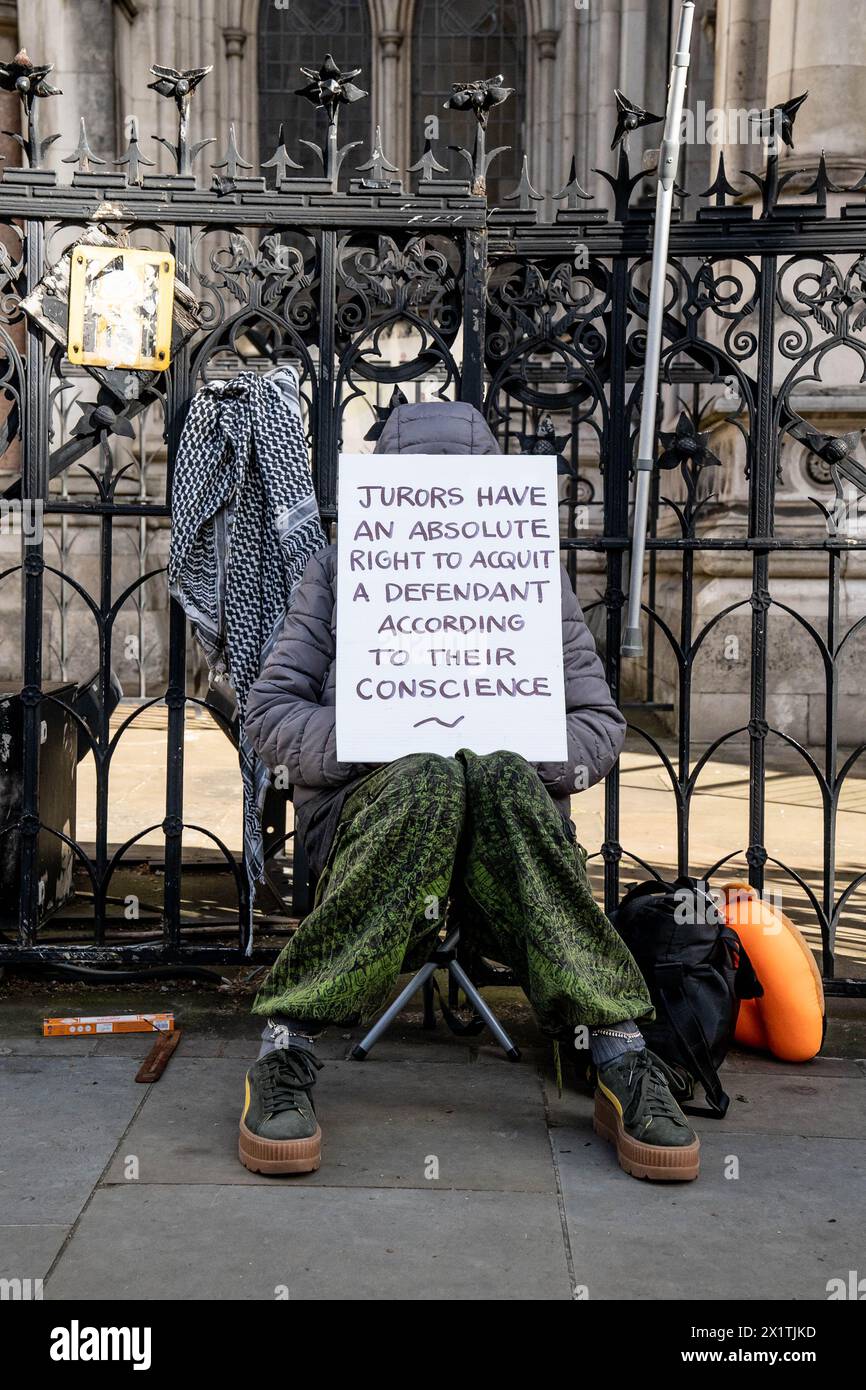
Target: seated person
(491, 833)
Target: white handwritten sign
(449, 598)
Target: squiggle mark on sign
(434, 720)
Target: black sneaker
(635, 1111)
(279, 1132)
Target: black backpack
(696, 971)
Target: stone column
(388, 80)
(165, 124)
(567, 96)
(601, 72)
(77, 36)
(388, 107)
(235, 42)
(10, 105)
(212, 110)
(819, 46)
(742, 32)
(544, 165)
(240, 68)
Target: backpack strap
(746, 983)
(469, 1028)
(690, 1035)
(649, 888)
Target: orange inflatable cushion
(788, 1020)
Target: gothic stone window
(460, 39)
(301, 33)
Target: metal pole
(669, 156)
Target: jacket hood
(436, 427)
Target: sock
(280, 1028)
(608, 1043)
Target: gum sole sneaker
(275, 1156)
(635, 1111)
(279, 1132)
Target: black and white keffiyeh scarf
(244, 524)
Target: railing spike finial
(822, 184)
(82, 155)
(777, 122)
(775, 125)
(233, 160)
(480, 98)
(179, 86)
(622, 183)
(630, 118)
(772, 185)
(377, 166)
(721, 188)
(281, 160)
(428, 164)
(479, 160)
(328, 89)
(29, 80)
(524, 194)
(572, 191)
(133, 160)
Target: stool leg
(511, 1051)
(384, 1023)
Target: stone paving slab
(381, 1122)
(766, 1104)
(27, 1252)
(794, 1218)
(231, 1242)
(818, 1068)
(34, 1045)
(370, 1224)
(61, 1120)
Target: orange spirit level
(107, 1023)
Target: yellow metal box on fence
(121, 301)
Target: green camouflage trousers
(483, 832)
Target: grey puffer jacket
(291, 716)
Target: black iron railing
(373, 287)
